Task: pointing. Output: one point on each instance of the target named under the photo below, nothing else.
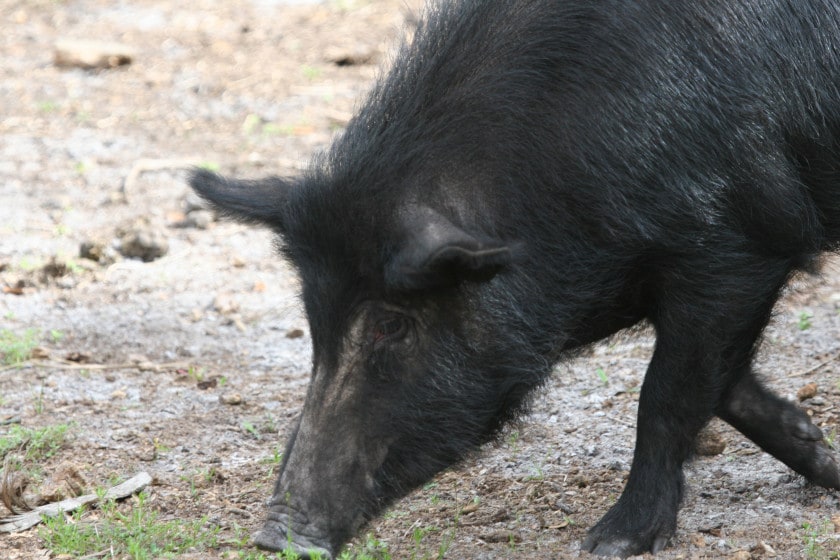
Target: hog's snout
(279, 534)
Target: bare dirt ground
(198, 359)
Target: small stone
(207, 383)
(501, 537)
(351, 55)
(91, 54)
(97, 251)
(200, 219)
(294, 333)
(193, 202)
(54, 269)
(136, 358)
(470, 508)
(144, 243)
(119, 394)
(565, 508)
(78, 357)
(709, 443)
(806, 392)
(39, 353)
(762, 549)
(581, 481)
(225, 304)
(714, 530)
(66, 282)
(231, 399)
(741, 555)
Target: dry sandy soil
(198, 359)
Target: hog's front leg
(670, 416)
(706, 337)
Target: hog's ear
(259, 201)
(437, 253)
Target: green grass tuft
(36, 444)
(17, 348)
(138, 534)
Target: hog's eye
(392, 327)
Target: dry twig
(21, 522)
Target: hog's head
(418, 356)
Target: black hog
(530, 177)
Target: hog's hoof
(806, 451)
(621, 536)
(276, 537)
(621, 547)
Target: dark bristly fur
(530, 177)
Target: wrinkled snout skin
(533, 176)
(326, 483)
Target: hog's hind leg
(780, 428)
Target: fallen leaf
(806, 392)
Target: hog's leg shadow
(708, 317)
(780, 428)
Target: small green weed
(249, 428)
(159, 448)
(831, 439)
(196, 374)
(537, 473)
(274, 129)
(210, 166)
(256, 554)
(372, 549)
(47, 106)
(28, 264)
(275, 458)
(252, 123)
(16, 348)
(805, 320)
(420, 548)
(513, 441)
(310, 72)
(38, 405)
(602, 375)
(816, 537)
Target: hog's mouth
(279, 534)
